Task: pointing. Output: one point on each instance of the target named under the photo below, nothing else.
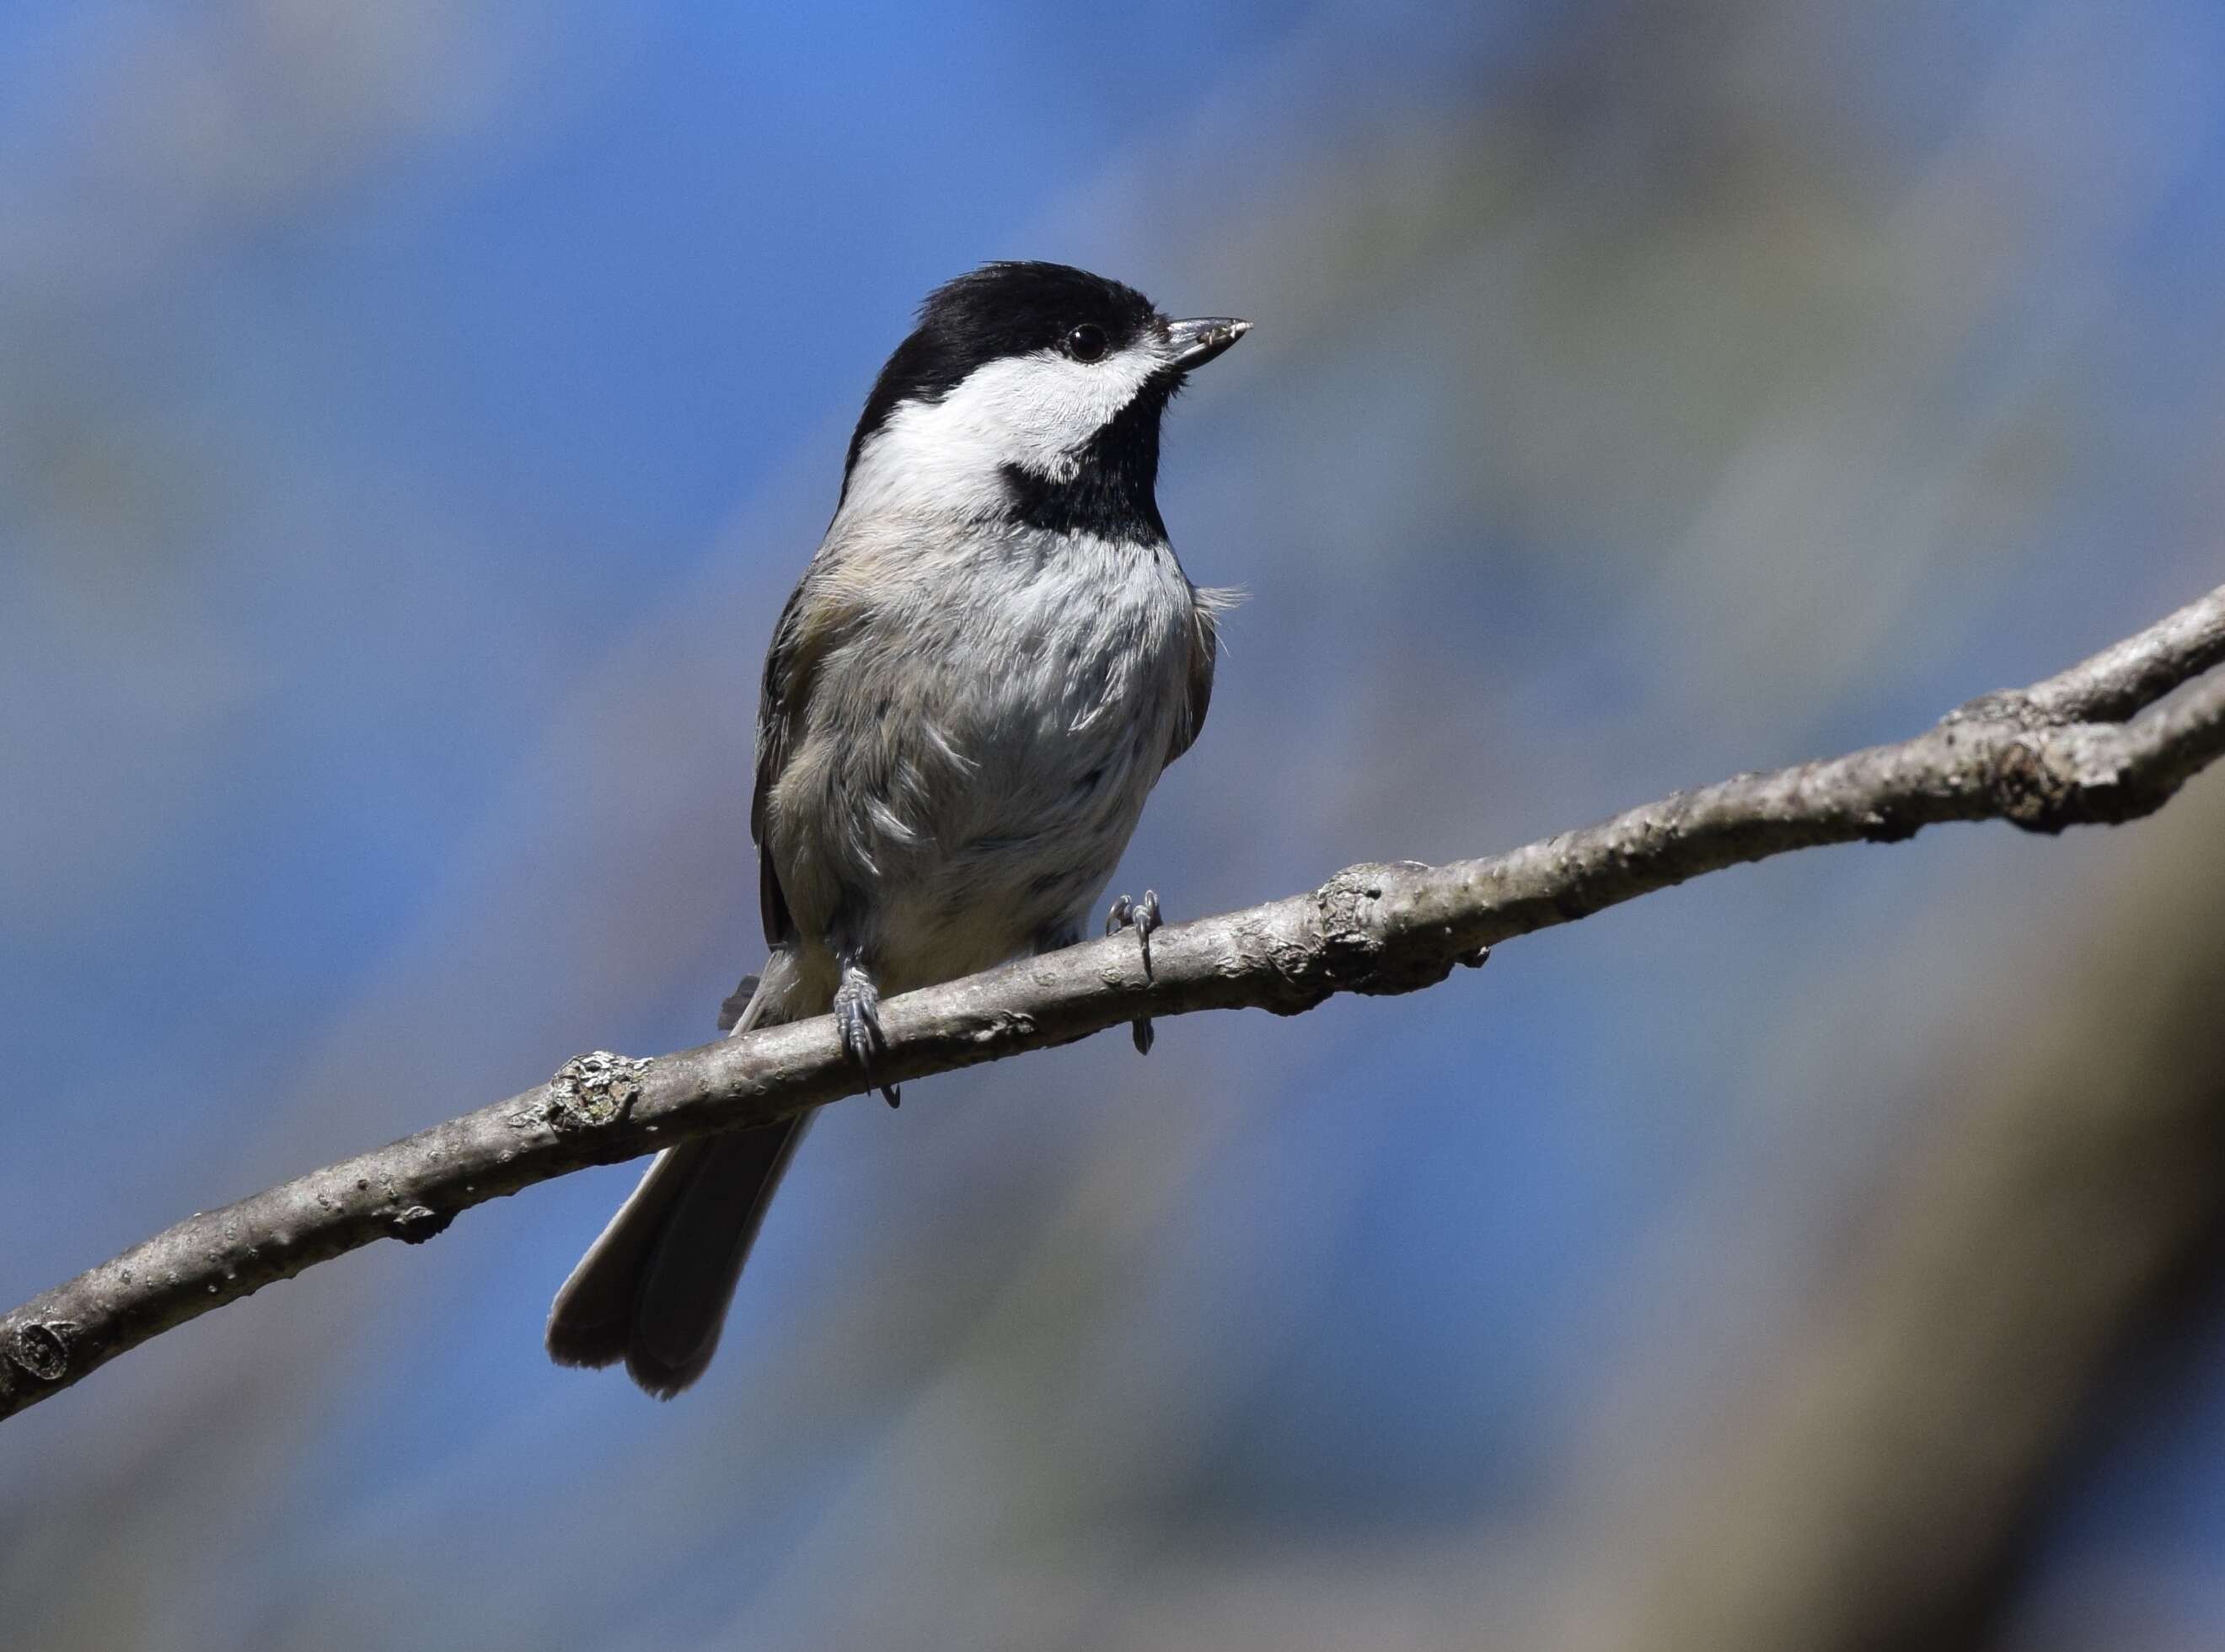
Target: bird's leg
(858, 1018)
(1143, 916)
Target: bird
(986, 666)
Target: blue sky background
(411, 418)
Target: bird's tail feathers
(653, 1291)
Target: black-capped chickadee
(979, 680)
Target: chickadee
(983, 672)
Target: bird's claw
(857, 1019)
(1143, 916)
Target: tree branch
(2091, 745)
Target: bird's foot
(1143, 916)
(858, 1018)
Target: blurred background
(411, 418)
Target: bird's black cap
(1008, 309)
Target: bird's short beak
(1197, 342)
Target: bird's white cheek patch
(1034, 411)
(1048, 406)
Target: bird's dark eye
(1087, 343)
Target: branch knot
(1363, 930)
(41, 1347)
(591, 1091)
(2031, 786)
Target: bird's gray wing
(1206, 608)
(779, 703)
(808, 624)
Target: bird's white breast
(988, 801)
